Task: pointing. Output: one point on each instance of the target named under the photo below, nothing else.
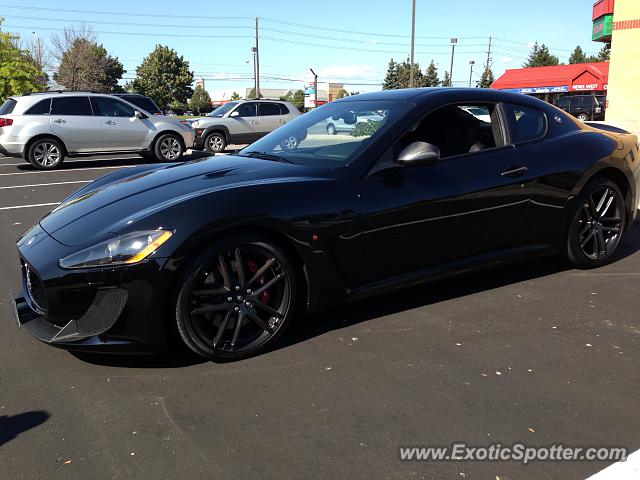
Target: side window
(576, 102)
(458, 129)
(247, 110)
(110, 107)
(526, 124)
(284, 110)
(40, 108)
(563, 102)
(71, 106)
(267, 109)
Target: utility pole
(413, 38)
(453, 52)
(315, 88)
(257, 62)
(255, 75)
(488, 64)
(472, 63)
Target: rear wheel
(597, 224)
(235, 299)
(168, 148)
(331, 129)
(215, 143)
(45, 154)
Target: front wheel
(215, 143)
(168, 148)
(45, 154)
(583, 117)
(235, 299)
(331, 129)
(597, 224)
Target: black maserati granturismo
(222, 253)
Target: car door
(271, 117)
(467, 204)
(244, 126)
(73, 121)
(576, 105)
(122, 130)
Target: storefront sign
(544, 90)
(602, 28)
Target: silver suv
(44, 128)
(241, 122)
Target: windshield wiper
(265, 156)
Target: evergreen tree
(235, 96)
(540, 56)
(446, 81)
(431, 76)
(200, 101)
(342, 93)
(578, 56)
(487, 78)
(391, 79)
(604, 55)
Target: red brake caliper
(264, 296)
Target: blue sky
(353, 41)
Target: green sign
(602, 28)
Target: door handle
(59, 120)
(110, 122)
(514, 172)
(282, 121)
(252, 122)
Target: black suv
(145, 103)
(584, 107)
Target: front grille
(35, 290)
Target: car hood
(113, 202)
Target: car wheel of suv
(331, 129)
(290, 143)
(45, 154)
(597, 224)
(235, 299)
(168, 148)
(215, 143)
(583, 117)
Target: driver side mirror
(139, 115)
(235, 113)
(419, 153)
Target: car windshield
(220, 111)
(331, 135)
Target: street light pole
(255, 74)
(413, 37)
(315, 88)
(257, 63)
(472, 63)
(453, 52)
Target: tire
(331, 129)
(46, 154)
(290, 143)
(596, 224)
(148, 156)
(583, 117)
(215, 142)
(211, 296)
(168, 148)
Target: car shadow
(12, 426)
(179, 358)
(435, 292)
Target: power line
(136, 34)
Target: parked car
(241, 122)
(337, 125)
(226, 251)
(145, 103)
(44, 128)
(583, 107)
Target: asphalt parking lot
(531, 353)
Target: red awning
(576, 77)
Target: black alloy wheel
(597, 224)
(236, 300)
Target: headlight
(124, 250)
(194, 123)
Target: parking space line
(29, 206)
(45, 184)
(64, 171)
(67, 162)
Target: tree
(252, 93)
(84, 64)
(342, 93)
(391, 79)
(200, 101)
(578, 56)
(298, 99)
(604, 55)
(164, 76)
(487, 78)
(18, 73)
(446, 81)
(235, 96)
(540, 56)
(404, 74)
(431, 76)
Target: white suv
(44, 128)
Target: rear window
(284, 110)
(71, 106)
(145, 103)
(8, 106)
(40, 108)
(527, 124)
(269, 109)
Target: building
(200, 82)
(623, 101)
(543, 82)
